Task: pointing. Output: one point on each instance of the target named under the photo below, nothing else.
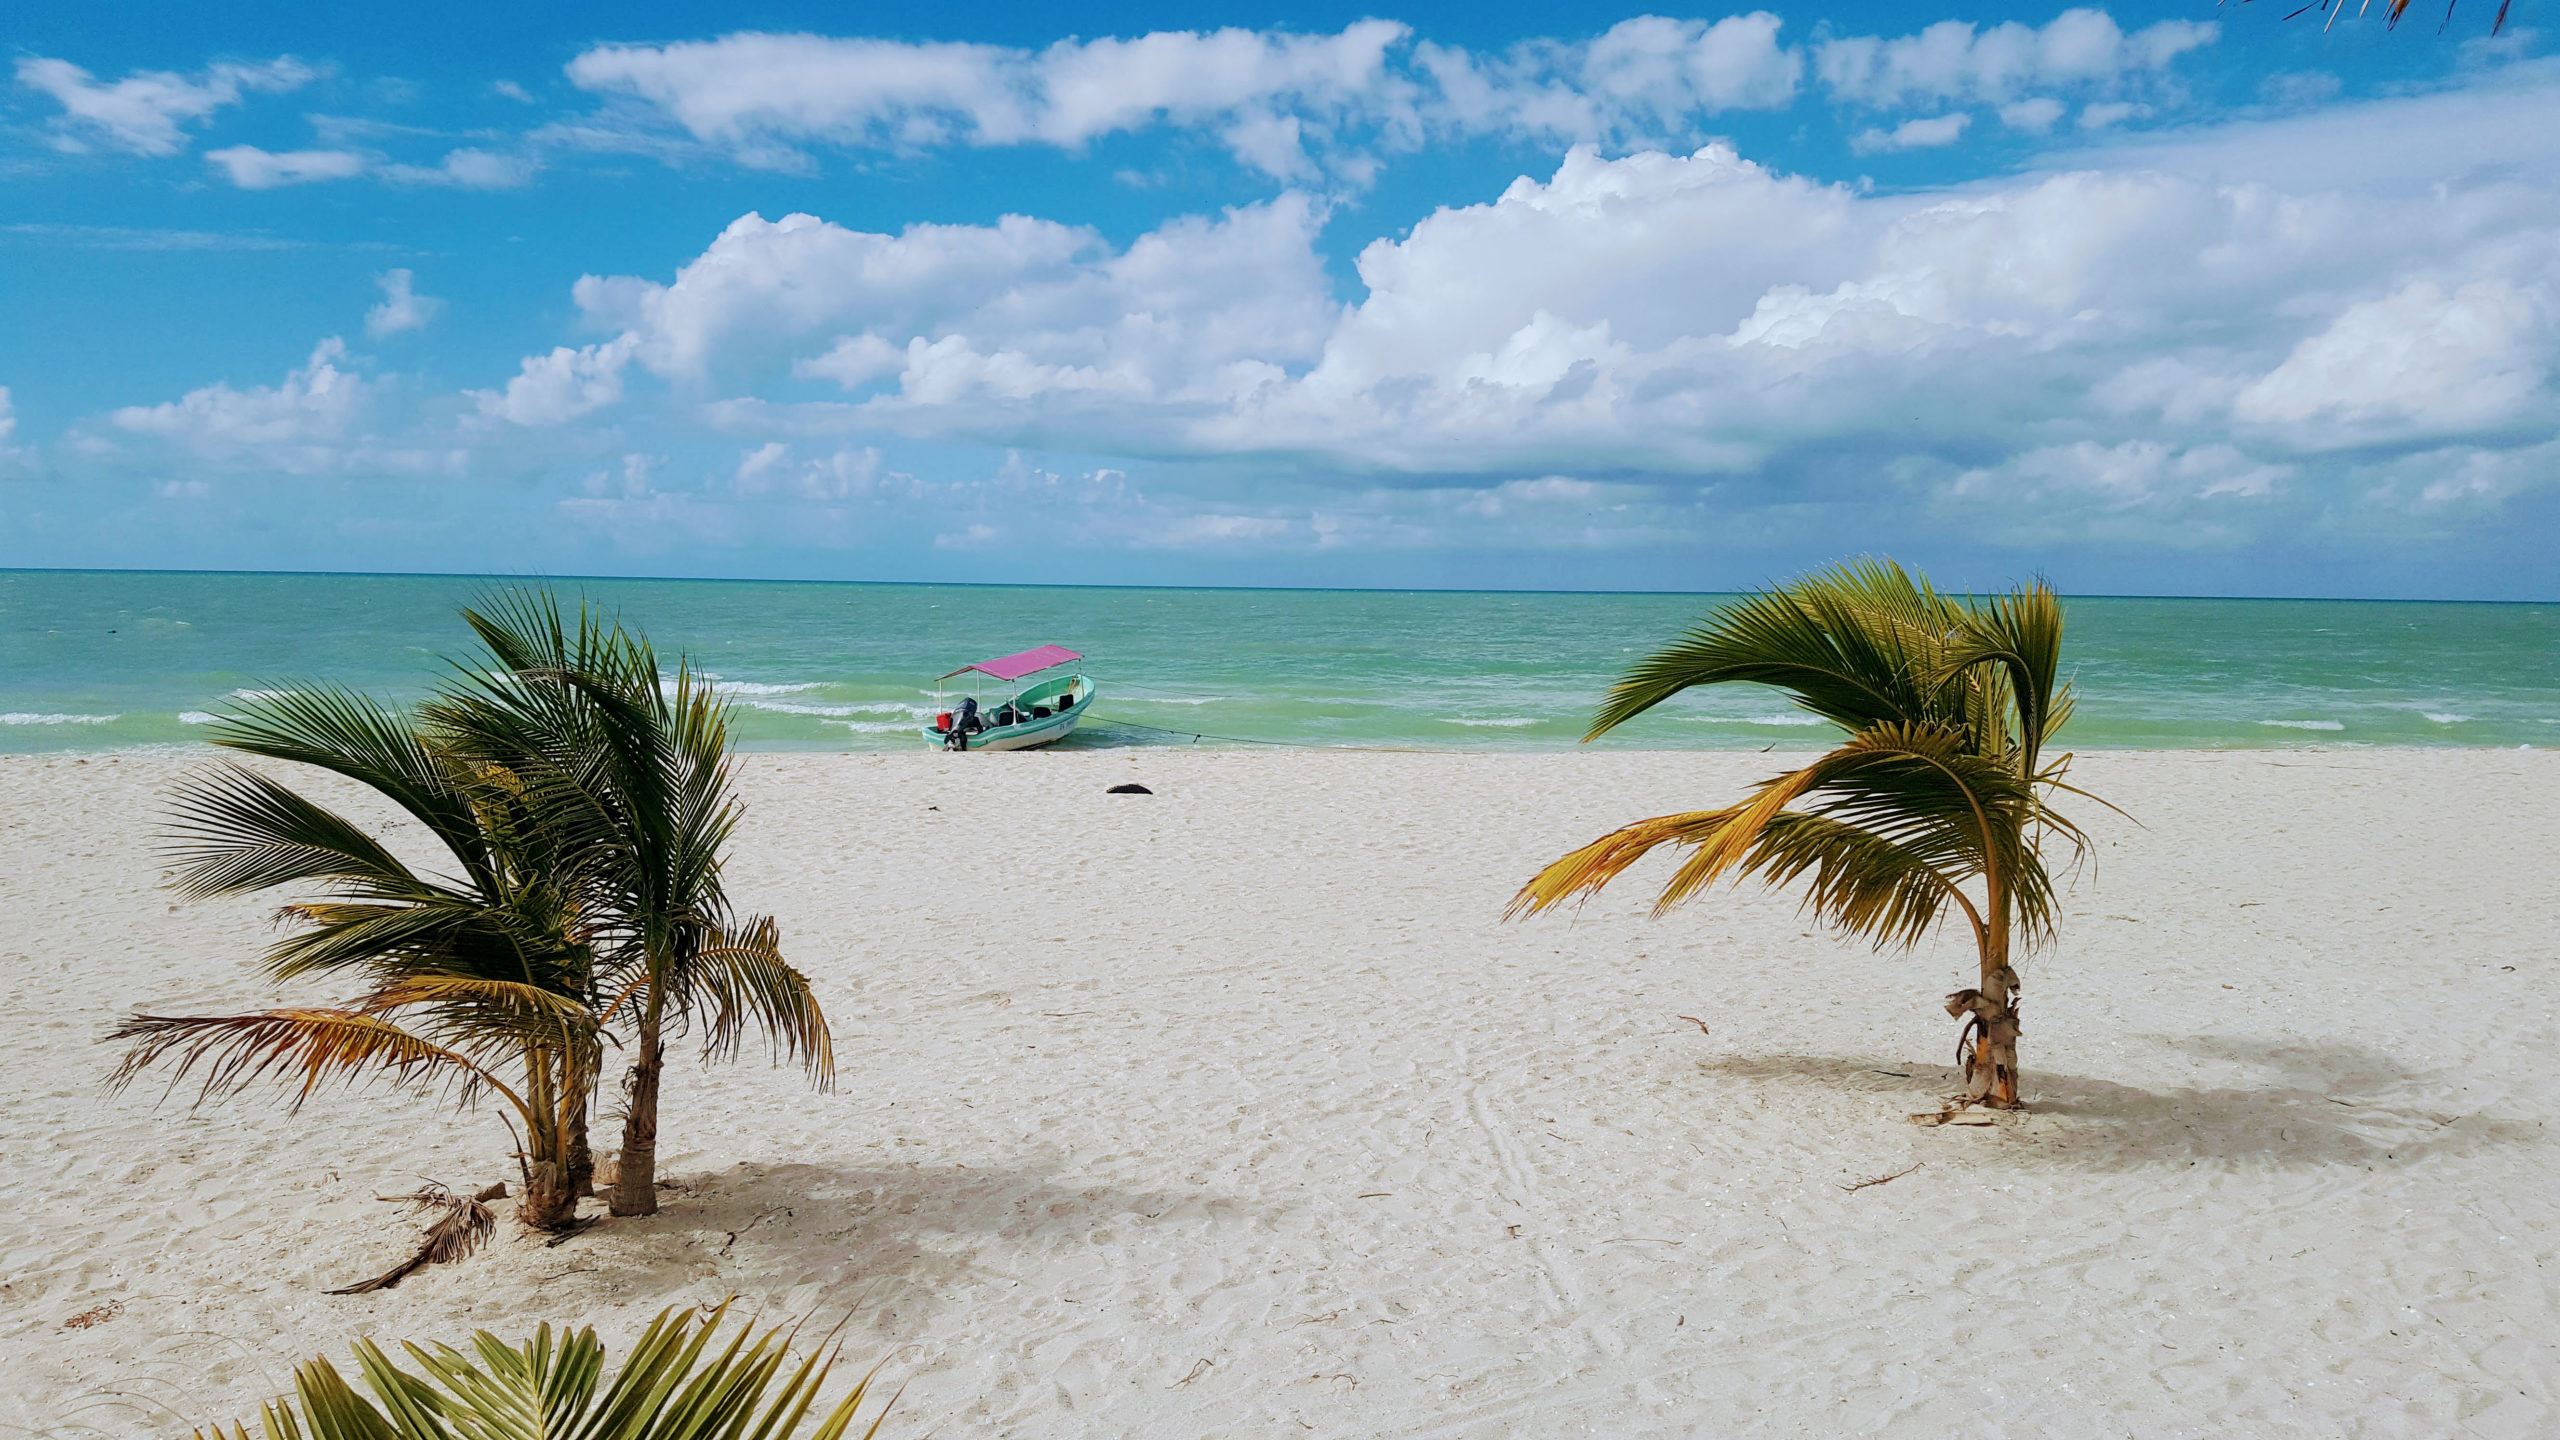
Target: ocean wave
(875, 727)
(790, 707)
(2443, 718)
(1756, 719)
(197, 717)
(259, 694)
(1505, 723)
(754, 687)
(2304, 724)
(29, 717)
(1161, 700)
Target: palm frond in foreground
(1934, 804)
(553, 1385)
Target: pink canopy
(1014, 667)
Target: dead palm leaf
(461, 1225)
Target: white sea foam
(791, 707)
(874, 727)
(1505, 723)
(259, 694)
(1167, 700)
(1757, 719)
(2443, 718)
(2304, 724)
(752, 687)
(196, 717)
(29, 717)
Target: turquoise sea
(97, 660)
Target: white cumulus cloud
(1955, 62)
(1648, 77)
(561, 386)
(303, 425)
(1290, 105)
(147, 112)
(251, 168)
(1001, 313)
(2163, 353)
(402, 307)
(763, 95)
(1925, 134)
(2423, 356)
(468, 168)
(2143, 490)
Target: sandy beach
(1235, 1110)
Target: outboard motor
(961, 724)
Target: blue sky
(2177, 299)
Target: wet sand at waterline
(1235, 1110)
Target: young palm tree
(674, 1386)
(636, 767)
(1935, 802)
(477, 978)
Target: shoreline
(1249, 1071)
(180, 749)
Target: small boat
(1035, 715)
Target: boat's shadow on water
(2319, 1105)
(889, 1244)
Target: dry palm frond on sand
(461, 1225)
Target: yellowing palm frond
(1583, 874)
(313, 1045)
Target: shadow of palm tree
(2321, 1104)
(886, 1242)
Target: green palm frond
(1936, 799)
(235, 830)
(1859, 881)
(455, 933)
(2020, 634)
(672, 1386)
(632, 769)
(1842, 642)
(370, 743)
(743, 977)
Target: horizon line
(1075, 585)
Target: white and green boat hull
(1065, 699)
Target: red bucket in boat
(942, 721)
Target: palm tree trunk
(1995, 1055)
(635, 1184)
(550, 1201)
(582, 1155)
(1990, 1047)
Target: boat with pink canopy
(1037, 714)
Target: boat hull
(1030, 734)
(1022, 737)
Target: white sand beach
(1236, 1110)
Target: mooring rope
(1199, 735)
